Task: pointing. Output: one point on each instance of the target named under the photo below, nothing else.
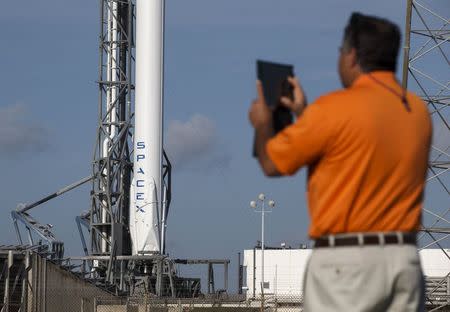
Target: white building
(284, 269)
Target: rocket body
(146, 188)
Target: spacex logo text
(140, 177)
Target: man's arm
(262, 135)
(260, 117)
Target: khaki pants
(364, 278)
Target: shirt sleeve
(301, 143)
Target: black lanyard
(401, 96)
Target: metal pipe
(163, 220)
(8, 275)
(30, 237)
(80, 220)
(254, 272)
(44, 286)
(406, 48)
(130, 258)
(124, 185)
(26, 282)
(225, 277)
(16, 228)
(262, 249)
(111, 115)
(122, 272)
(167, 190)
(239, 274)
(56, 194)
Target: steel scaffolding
(426, 69)
(112, 164)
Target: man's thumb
(286, 102)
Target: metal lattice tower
(109, 214)
(426, 71)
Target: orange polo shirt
(367, 157)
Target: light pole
(254, 205)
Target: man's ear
(353, 58)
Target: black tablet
(273, 77)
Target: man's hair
(376, 41)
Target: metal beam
(56, 194)
(201, 261)
(441, 230)
(407, 45)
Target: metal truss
(426, 71)
(42, 231)
(135, 279)
(112, 165)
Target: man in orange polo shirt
(366, 147)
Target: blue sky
(48, 106)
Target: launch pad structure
(123, 234)
(427, 37)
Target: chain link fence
(222, 303)
(29, 283)
(237, 303)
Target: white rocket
(146, 189)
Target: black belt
(366, 239)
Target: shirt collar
(386, 77)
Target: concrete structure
(284, 270)
(435, 263)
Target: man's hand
(260, 114)
(298, 104)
